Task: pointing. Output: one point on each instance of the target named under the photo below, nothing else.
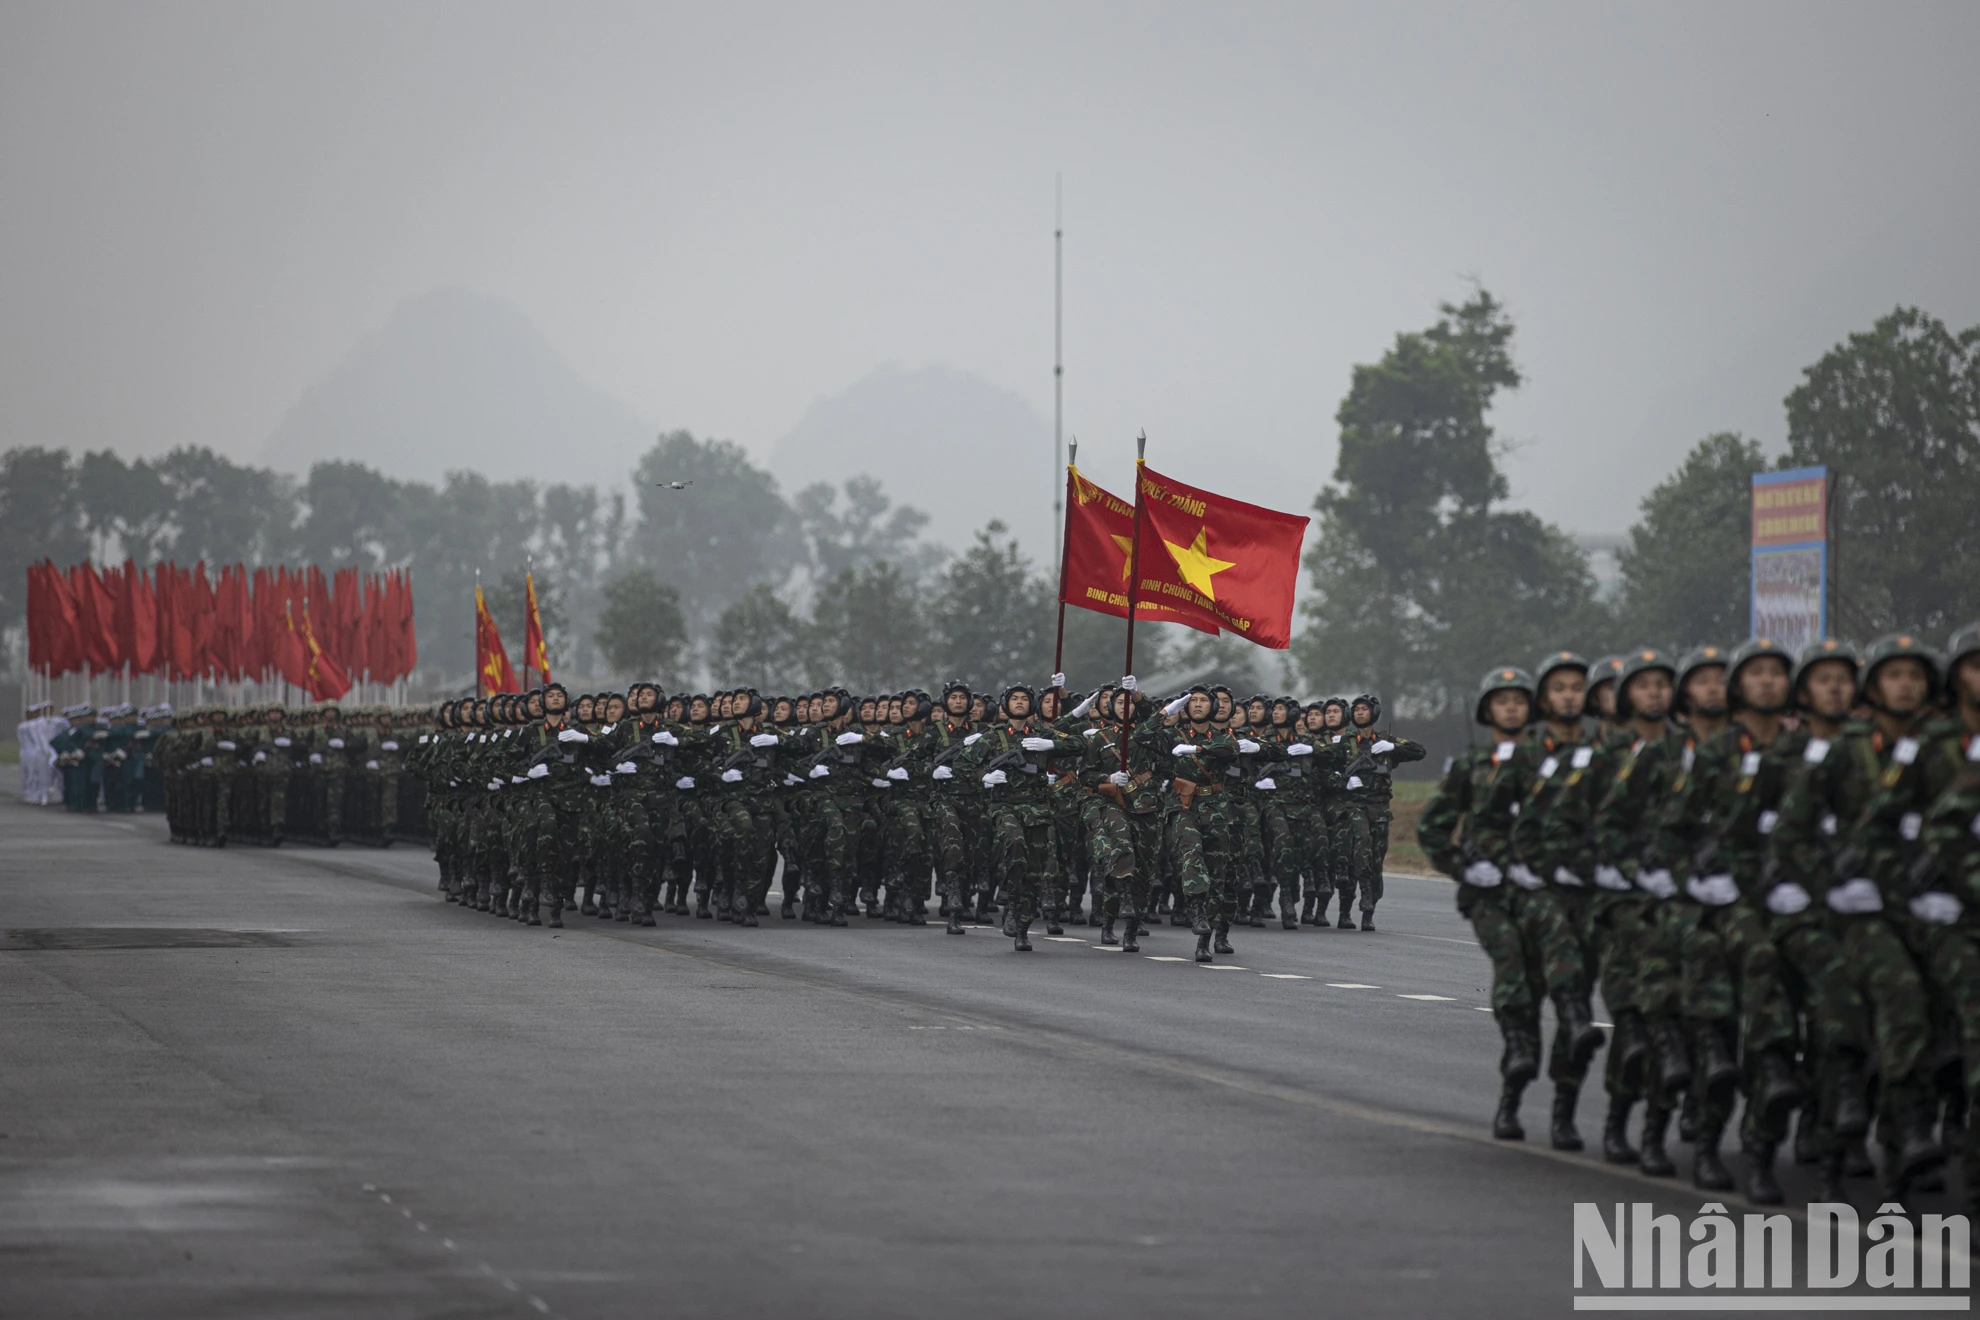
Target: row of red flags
(179, 622)
(493, 672)
(1204, 560)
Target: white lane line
(1351, 985)
(1105, 948)
(1222, 967)
(1480, 1008)
(1610, 1025)
(1159, 957)
(1065, 939)
(1284, 976)
(1439, 999)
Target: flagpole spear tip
(1140, 446)
(1072, 451)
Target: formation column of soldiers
(1769, 864)
(1202, 810)
(259, 774)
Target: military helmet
(1753, 648)
(1503, 679)
(1963, 643)
(1898, 646)
(1605, 670)
(1816, 652)
(1641, 660)
(1004, 697)
(1370, 700)
(1558, 660)
(1697, 658)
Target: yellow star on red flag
(1198, 566)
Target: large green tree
(1420, 577)
(1684, 569)
(990, 613)
(641, 630)
(717, 538)
(760, 641)
(1894, 413)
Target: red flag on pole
(323, 676)
(1099, 535)
(535, 654)
(1236, 562)
(493, 672)
(96, 625)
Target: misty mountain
(961, 448)
(459, 379)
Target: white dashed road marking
(1350, 985)
(1157, 957)
(1441, 999)
(1284, 976)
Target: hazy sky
(723, 213)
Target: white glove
(666, 739)
(539, 771)
(790, 779)
(1089, 733)
(1183, 749)
(1610, 878)
(1354, 781)
(732, 776)
(1523, 876)
(764, 740)
(371, 765)
(881, 783)
(626, 768)
(971, 740)
(819, 772)
(1266, 783)
(1658, 882)
(227, 744)
(1383, 746)
(337, 743)
(849, 737)
(1127, 683)
(494, 784)
(602, 781)
(994, 778)
(1038, 744)
(1058, 680)
(685, 781)
(282, 742)
(1299, 749)
(1856, 898)
(1936, 909)
(566, 735)
(259, 757)
(1788, 899)
(1483, 874)
(1563, 876)
(1119, 779)
(1713, 890)
(942, 772)
(1080, 710)
(1247, 746)
(315, 758)
(1175, 707)
(898, 772)
(518, 779)
(390, 745)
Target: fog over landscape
(522, 239)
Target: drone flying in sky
(675, 485)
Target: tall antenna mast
(1058, 357)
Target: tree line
(1419, 574)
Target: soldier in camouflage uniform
(952, 807)
(1009, 759)
(1186, 748)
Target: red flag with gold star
(1099, 536)
(491, 659)
(535, 654)
(1236, 562)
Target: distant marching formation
(1769, 864)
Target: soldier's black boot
(1577, 1025)
(1131, 926)
(1761, 1188)
(1633, 1044)
(1807, 1147)
(1023, 944)
(1561, 1132)
(1615, 1133)
(1346, 922)
(743, 910)
(1107, 935)
(1708, 1171)
(1774, 1092)
(1655, 1160)
(1010, 921)
(1368, 919)
(1306, 917)
(1688, 1117)
(1053, 923)
(556, 912)
(1672, 1059)
(590, 907)
(1203, 948)
(1288, 914)
(789, 909)
(890, 909)
(1198, 916)
(917, 910)
(1222, 943)
(1716, 1066)
(956, 926)
(870, 904)
(1505, 1122)
(701, 912)
(837, 915)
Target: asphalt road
(295, 1082)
